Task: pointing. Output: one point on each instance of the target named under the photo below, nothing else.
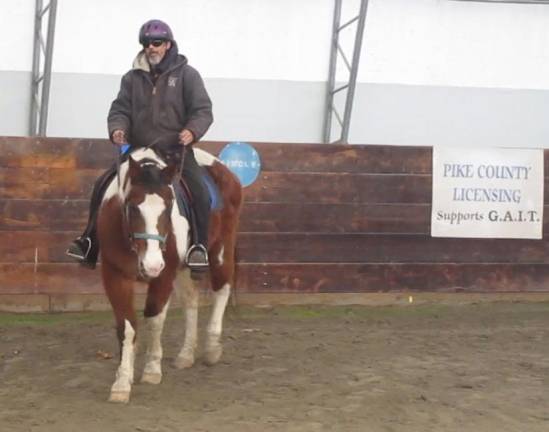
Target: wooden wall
(321, 219)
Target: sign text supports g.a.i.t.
(490, 193)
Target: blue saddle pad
(183, 200)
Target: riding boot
(85, 249)
(197, 255)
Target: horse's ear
(168, 174)
(134, 168)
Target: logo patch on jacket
(172, 81)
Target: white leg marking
(152, 373)
(120, 390)
(215, 326)
(220, 256)
(185, 358)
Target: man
(160, 97)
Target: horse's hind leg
(120, 293)
(190, 296)
(156, 309)
(222, 272)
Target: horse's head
(147, 209)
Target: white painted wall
(454, 43)
(432, 71)
(250, 39)
(415, 42)
(17, 24)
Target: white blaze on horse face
(151, 209)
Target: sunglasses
(155, 43)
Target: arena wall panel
(321, 219)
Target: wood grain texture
(50, 246)
(305, 278)
(320, 219)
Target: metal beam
(335, 53)
(41, 76)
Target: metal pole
(47, 68)
(354, 71)
(33, 115)
(332, 72)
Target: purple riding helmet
(155, 29)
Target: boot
(197, 257)
(85, 249)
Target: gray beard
(154, 59)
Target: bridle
(132, 236)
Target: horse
(144, 237)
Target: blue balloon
(243, 160)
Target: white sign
(487, 193)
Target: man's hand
(119, 137)
(186, 137)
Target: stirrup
(80, 256)
(195, 251)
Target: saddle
(183, 195)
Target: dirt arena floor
(480, 367)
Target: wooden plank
(25, 278)
(50, 246)
(95, 153)
(324, 158)
(99, 153)
(46, 183)
(328, 188)
(55, 152)
(387, 277)
(306, 278)
(71, 215)
(379, 248)
(54, 183)
(40, 215)
(334, 218)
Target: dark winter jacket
(149, 107)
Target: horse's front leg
(156, 309)
(120, 293)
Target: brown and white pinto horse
(143, 237)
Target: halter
(143, 235)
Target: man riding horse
(160, 96)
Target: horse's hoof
(119, 397)
(183, 362)
(212, 355)
(151, 378)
